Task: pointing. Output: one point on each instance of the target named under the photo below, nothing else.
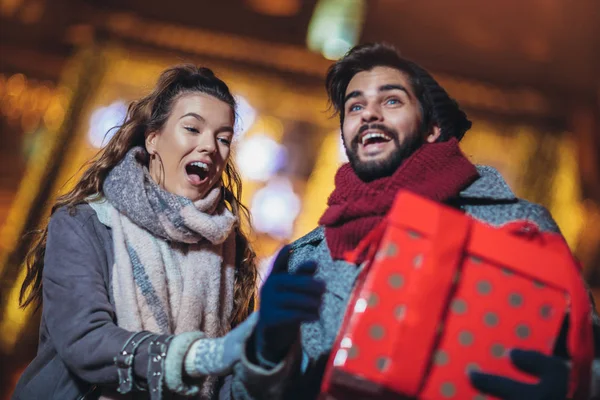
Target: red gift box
(442, 294)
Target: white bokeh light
(103, 120)
(259, 157)
(274, 209)
(245, 116)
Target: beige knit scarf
(174, 258)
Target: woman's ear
(433, 134)
(151, 140)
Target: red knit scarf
(438, 171)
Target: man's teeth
(200, 165)
(369, 136)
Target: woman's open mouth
(197, 172)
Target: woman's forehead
(206, 106)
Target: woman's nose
(208, 143)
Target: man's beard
(370, 170)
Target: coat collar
(489, 185)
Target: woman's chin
(193, 193)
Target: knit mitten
(217, 356)
(286, 301)
(552, 371)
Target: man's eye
(192, 129)
(356, 107)
(393, 102)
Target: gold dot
(459, 306)
(441, 358)
(414, 235)
(353, 352)
(546, 311)
(538, 284)
(484, 287)
(447, 389)
(491, 319)
(497, 350)
(382, 363)
(391, 250)
(376, 332)
(475, 260)
(522, 331)
(396, 281)
(466, 338)
(418, 261)
(373, 300)
(515, 299)
(471, 367)
(400, 312)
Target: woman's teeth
(200, 164)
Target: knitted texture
(174, 265)
(445, 111)
(217, 356)
(438, 171)
(488, 199)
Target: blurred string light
(335, 27)
(259, 157)
(275, 8)
(105, 122)
(274, 209)
(245, 116)
(28, 12)
(28, 102)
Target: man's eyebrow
(355, 93)
(394, 86)
(383, 88)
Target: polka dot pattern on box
(491, 310)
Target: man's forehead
(377, 77)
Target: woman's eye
(225, 141)
(192, 129)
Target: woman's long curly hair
(149, 114)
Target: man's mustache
(380, 127)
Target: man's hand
(552, 371)
(286, 301)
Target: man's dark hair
(436, 106)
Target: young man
(401, 131)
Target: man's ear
(151, 140)
(434, 134)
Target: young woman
(143, 270)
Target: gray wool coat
(79, 335)
(299, 375)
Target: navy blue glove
(552, 371)
(286, 301)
